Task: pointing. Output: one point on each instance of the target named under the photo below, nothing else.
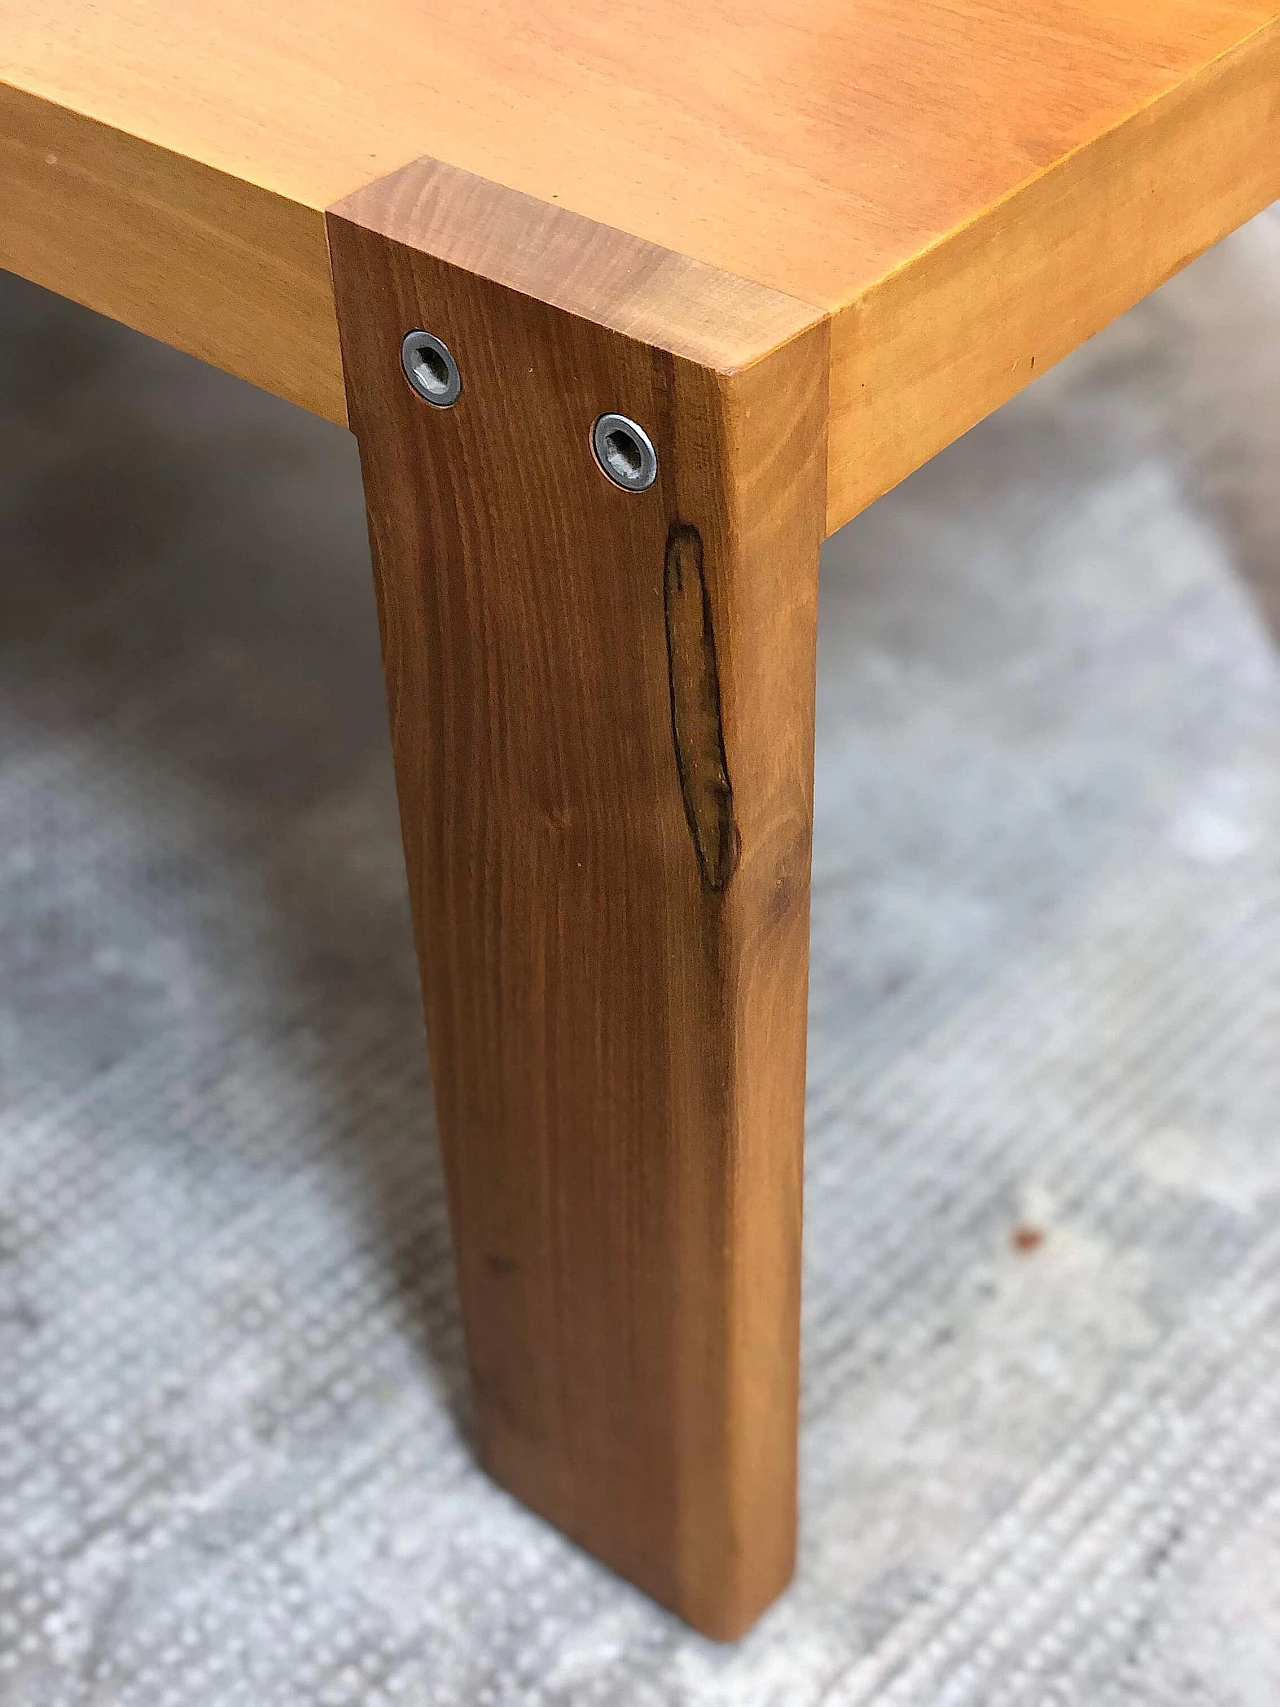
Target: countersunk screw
(430, 368)
(625, 452)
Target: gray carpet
(1041, 1450)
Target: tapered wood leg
(602, 712)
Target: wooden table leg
(602, 713)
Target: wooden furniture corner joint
(602, 718)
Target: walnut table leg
(602, 714)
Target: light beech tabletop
(969, 186)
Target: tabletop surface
(968, 187)
(811, 145)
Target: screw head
(625, 452)
(430, 368)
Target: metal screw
(430, 368)
(625, 452)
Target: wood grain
(198, 258)
(602, 715)
(962, 184)
(813, 146)
(594, 271)
(937, 345)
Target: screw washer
(625, 452)
(430, 368)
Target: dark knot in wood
(696, 724)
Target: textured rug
(1041, 1446)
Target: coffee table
(628, 308)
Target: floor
(1041, 1446)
